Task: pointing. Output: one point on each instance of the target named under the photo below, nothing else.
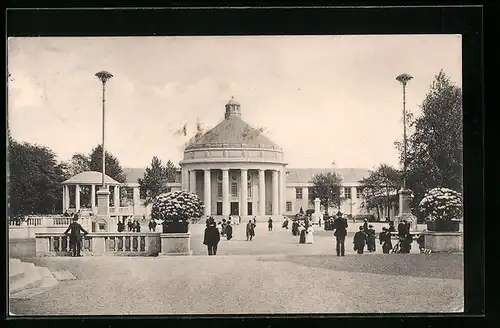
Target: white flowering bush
(176, 205)
(441, 204)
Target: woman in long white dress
(310, 235)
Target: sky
(323, 99)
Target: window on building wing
(288, 206)
(219, 189)
(249, 192)
(359, 192)
(347, 193)
(298, 193)
(234, 189)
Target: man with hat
(340, 226)
(211, 237)
(75, 236)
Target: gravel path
(260, 280)
(239, 285)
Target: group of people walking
(304, 230)
(132, 226)
(214, 232)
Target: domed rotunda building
(235, 169)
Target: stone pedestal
(316, 216)
(102, 209)
(103, 202)
(404, 209)
(42, 247)
(443, 242)
(175, 244)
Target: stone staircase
(27, 280)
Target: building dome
(233, 132)
(232, 140)
(90, 178)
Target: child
(360, 240)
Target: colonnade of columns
(277, 190)
(66, 196)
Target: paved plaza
(271, 274)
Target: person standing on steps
(270, 224)
(212, 237)
(75, 237)
(340, 225)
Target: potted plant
(442, 208)
(175, 209)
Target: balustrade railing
(101, 243)
(126, 210)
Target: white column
(282, 192)
(136, 196)
(207, 193)
(92, 196)
(244, 193)
(77, 197)
(66, 197)
(262, 193)
(275, 200)
(184, 178)
(192, 181)
(225, 192)
(354, 200)
(117, 197)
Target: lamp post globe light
(404, 193)
(103, 193)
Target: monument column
(192, 181)
(275, 200)
(244, 193)
(77, 197)
(207, 195)
(262, 192)
(225, 192)
(92, 197)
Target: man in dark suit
(340, 226)
(75, 236)
(211, 237)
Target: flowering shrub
(176, 205)
(441, 204)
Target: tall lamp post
(104, 77)
(404, 193)
(103, 193)
(403, 79)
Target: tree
(154, 182)
(435, 148)
(327, 188)
(78, 163)
(379, 188)
(113, 168)
(34, 180)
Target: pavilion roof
(90, 178)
